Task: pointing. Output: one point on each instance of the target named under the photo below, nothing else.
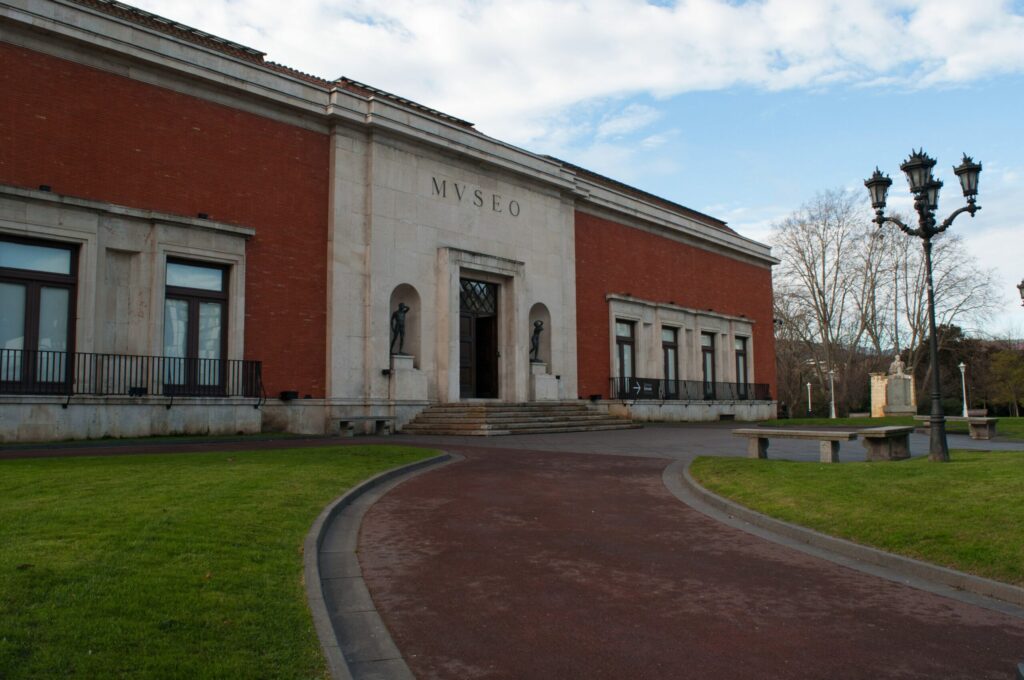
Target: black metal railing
(87, 373)
(687, 390)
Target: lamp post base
(938, 450)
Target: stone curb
(976, 590)
(354, 640)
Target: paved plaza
(537, 562)
(532, 557)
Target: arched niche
(405, 293)
(539, 312)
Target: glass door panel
(12, 330)
(53, 334)
(209, 342)
(175, 341)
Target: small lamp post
(918, 169)
(809, 411)
(832, 393)
(963, 384)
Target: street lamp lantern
(918, 168)
(932, 194)
(1020, 287)
(878, 185)
(968, 172)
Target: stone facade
(329, 203)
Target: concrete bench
(828, 447)
(887, 443)
(382, 425)
(977, 427)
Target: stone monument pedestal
(892, 395)
(543, 386)
(407, 381)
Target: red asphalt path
(518, 564)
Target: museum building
(195, 239)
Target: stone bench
(757, 446)
(891, 442)
(977, 427)
(382, 425)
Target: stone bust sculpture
(538, 327)
(897, 366)
(398, 327)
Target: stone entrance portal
(478, 340)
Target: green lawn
(167, 566)
(967, 514)
(1010, 428)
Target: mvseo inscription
(474, 195)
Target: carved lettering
(440, 190)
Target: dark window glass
(670, 357)
(37, 297)
(195, 328)
(707, 351)
(741, 367)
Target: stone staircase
(490, 419)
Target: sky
(742, 110)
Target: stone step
(516, 426)
(554, 429)
(507, 409)
(499, 418)
(506, 418)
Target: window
(195, 328)
(625, 355)
(741, 367)
(670, 357)
(37, 298)
(707, 351)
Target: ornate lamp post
(925, 188)
(1020, 287)
(832, 393)
(963, 384)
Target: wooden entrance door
(478, 340)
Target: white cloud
(632, 118)
(511, 66)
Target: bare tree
(964, 292)
(850, 295)
(828, 277)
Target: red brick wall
(95, 135)
(614, 258)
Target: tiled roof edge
(643, 195)
(171, 27)
(370, 91)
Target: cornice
(11, 192)
(621, 297)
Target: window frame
(194, 297)
(707, 356)
(621, 342)
(671, 384)
(742, 366)
(34, 282)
